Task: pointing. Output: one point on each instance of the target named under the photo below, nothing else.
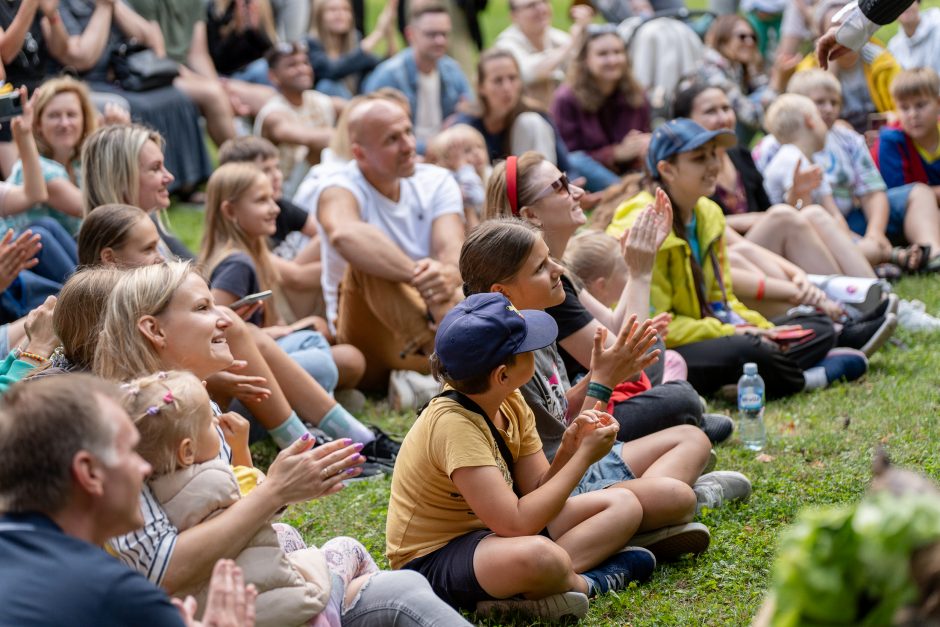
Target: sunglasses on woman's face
(559, 185)
(747, 36)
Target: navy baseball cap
(682, 135)
(480, 333)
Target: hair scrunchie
(512, 185)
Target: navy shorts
(449, 570)
(897, 209)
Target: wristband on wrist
(599, 391)
(760, 289)
(19, 354)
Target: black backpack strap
(470, 405)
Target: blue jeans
(403, 598)
(59, 254)
(255, 72)
(332, 87)
(897, 210)
(311, 350)
(598, 176)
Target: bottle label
(749, 399)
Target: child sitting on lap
(180, 438)
(475, 505)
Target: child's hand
(629, 354)
(599, 432)
(804, 184)
(231, 384)
(235, 428)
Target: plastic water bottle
(751, 408)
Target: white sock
(815, 378)
(288, 431)
(339, 423)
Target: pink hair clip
(168, 397)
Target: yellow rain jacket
(673, 286)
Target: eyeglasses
(746, 36)
(559, 185)
(596, 30)
(435, 34)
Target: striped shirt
(148, 550)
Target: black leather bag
(137, 68)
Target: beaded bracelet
(33, 356)
(599, 391)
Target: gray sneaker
(717, 488)
(669, 543)
(551, 608)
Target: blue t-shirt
(50, 578)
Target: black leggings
(720, 361)
(663, 406)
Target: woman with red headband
(531, 188)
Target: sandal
(911, 259)
(889, 272)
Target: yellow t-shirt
(928, 156)
(425, 511)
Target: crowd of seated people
(379, 222)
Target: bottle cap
(750, 368)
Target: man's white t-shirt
(778, 175)
(430, 193)
(428, 113)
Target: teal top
(13, 370)
(691, 231)
(51, 170)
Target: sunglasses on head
(596, 30)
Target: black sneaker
(717, 427)
(382, 450)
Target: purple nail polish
(359, 446)
(305, 436)
(350, 471)
(347, 441)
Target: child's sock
(339, 423)
(285, 433)
(815, 378)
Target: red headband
(511, 183)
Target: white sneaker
(714, 489)
(912, 316)
(550, 608)
(408, 389)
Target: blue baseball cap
(482, 332)
(682, 135)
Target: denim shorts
(897, 210)
(611, 469)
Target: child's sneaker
(617, 571)
(717, 488)
(846, 364)
(551, 608)
(669, 543)
(717, 427)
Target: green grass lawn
(819, 452)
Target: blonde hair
(347, 43)
(167, 408)
(79, 312)
(807, 81)
(592, 255)
(440, 148)
(123, 352)
(922, 81)
(111, 165)
(223, 235)
(44, 95)
(786, 116)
